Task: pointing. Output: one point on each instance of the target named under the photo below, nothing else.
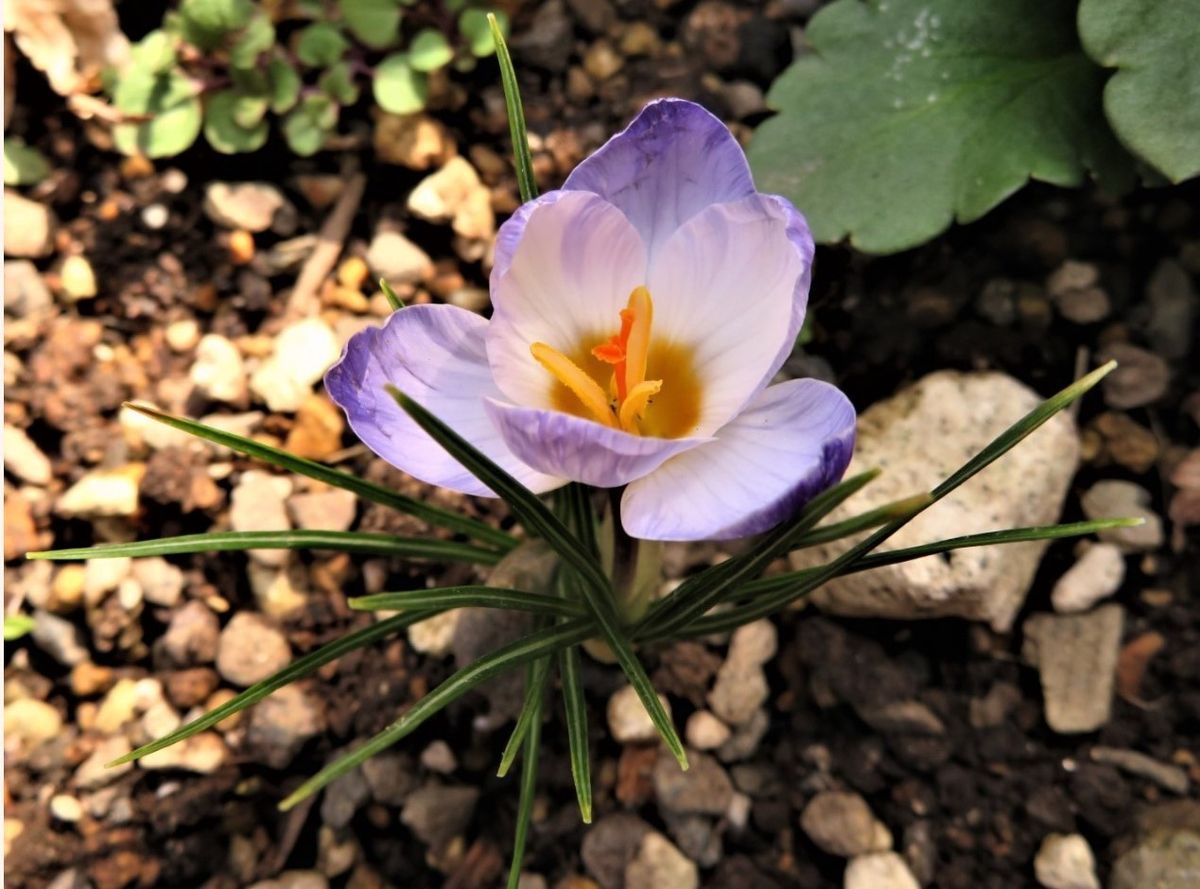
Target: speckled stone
(918, 438)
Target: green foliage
(236, 70)
(23, 164)
(17, 626)
(912, 113)
(167, 111)
(429, 51)
(234, 122)
(399, 88)
(320, 45)
(1153, 99)
(375, 23)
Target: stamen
(568, 373)
(640, 313)
(634, 405)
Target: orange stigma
(627, 352)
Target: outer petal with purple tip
(565, 445)
(792, 442)
(671, 162)
(436, 356)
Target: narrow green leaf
(533, 746)
(234, 541)
(532, 513)
(393, 300)
(873, 518)
(531, 711)
(528, 790)
(16, 626)
(522, 651)
(575, 707)
(770, 594)
(330, 476)
(297, 669)
(467, 596)
(699, 593)
(522, 159)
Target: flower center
(606, 381)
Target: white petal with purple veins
(567, 280)
(671, 162)
(582, 450)
(792, 442)
(723, 287)
(436, 356)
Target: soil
(968, 806)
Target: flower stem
(631, 605)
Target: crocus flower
(640, 313)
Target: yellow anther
(640, 315)
(634, 405)
(568, 373)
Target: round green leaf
(1153, 99)
(256, 38)
(23, 165)
(16, 626)
(474, 27)
(398, 88)
(154, 53)
(376, 23)
(309, 123)
(284, 85)
(223, 130)
(912, 113)
(205, 23)
(171, 104)
(429, 50)
(320, 45)
(338, 83)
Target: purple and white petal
(436, 356)
(794, 441)
(512, 230)
(671, 162)
(724, 288)
(801, 238)
(567, 279)
(582, 450)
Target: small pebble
(78, 279)
(155, 216)
(842, 824)
(1065, 861)
(628, 720)
(705, 732)
(65, 808)
(182, 336)
(1097, 574)
(251, 649)
(879, 870)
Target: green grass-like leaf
(298, 669)
(467, 596)
(699, 593)
(575, 706)
(531, 710)
(535, 645)
(522, 159)
(393, 299)
(330, 476)
(529, 768)
(534, 515)
(770, 594)
(873, 518)
(233, 541)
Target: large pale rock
(918, 438)
(303, 352)
(28, 226)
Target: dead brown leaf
(1132, 663)
(71, 41)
